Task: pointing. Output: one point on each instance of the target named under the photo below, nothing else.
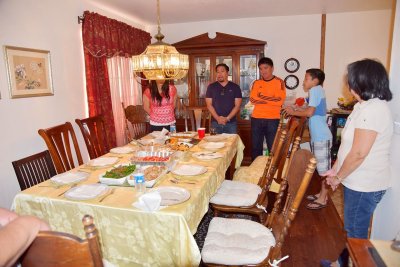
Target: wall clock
(291, 82)
(292, 65)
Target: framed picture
(29, 72)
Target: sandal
(315, 205)
(311, 197)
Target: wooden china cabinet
(241, 54)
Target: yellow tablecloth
(131, 237)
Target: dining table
(130, 236)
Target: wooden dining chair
(50, 249)
(241, 242)
(245, 198)
(136, 117)
(95, 135)
(58, 140)
(253, 172)
(34, 169)
(197, 117)
(242, 197)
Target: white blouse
(374, 172)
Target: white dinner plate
(69, 177)
(189, 170)
(212, 145)
(172, 195)
(122, 150)
(102, 162)
(207, 155)
(86, 191)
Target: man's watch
(338, 178)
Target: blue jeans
(358, 210)
(261, 128)
(230, 127)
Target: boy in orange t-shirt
(267, 96)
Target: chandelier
(161, 61)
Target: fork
(63, 192)
(107, 194)
(175, 181)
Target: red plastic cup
(201, 132)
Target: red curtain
(104, 37)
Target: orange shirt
(267, 98)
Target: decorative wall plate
(291, 82)
(292, 65)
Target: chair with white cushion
(247, 198)
(241, 242)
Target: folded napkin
(121, 150)
(149, 202)
(86, 191)
(69, 177)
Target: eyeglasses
(223, 91)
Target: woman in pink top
(159, 102)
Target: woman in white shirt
(363, 157)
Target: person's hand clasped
(222, 120)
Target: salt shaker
(140, 183)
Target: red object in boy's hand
(299, 101)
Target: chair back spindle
(34, 169)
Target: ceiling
(181, 11)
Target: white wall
(48, 25)
(286, 37)
(351, 37)
(387, 216)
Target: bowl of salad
(117, 175)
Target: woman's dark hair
(368, 78)
(155, 95)
(222, 65)
(265, 60)
(317, 74)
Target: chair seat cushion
(252, 173)
(236, 242)
(236, 194)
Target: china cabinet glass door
(248, 74)
(202, 74)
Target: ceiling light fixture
(161, 61)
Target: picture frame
(28, 72)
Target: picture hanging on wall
(29, 72)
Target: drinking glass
(213, 131)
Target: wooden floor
(314, 234)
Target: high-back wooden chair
(247, 198)
(50, 249)
(297, 125)
(34, 169)
(136, 116)
(58, 141)
(95, 135)
(197, 117)
(258, 245)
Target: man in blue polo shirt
(223, 99)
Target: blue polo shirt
(223, 97)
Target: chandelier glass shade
(161, 61)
